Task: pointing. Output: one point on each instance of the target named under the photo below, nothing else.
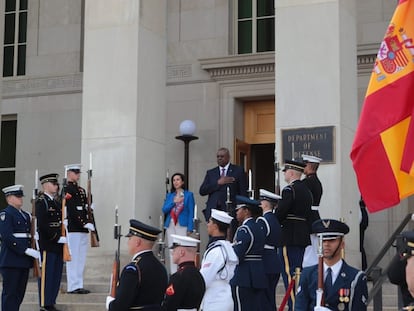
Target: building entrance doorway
(255, 151)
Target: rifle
(277, 174)
(66, 251)
(94, 234)
(161, 242)
(116, 263)
(319, 291)
(196, 235)
(229, 210)
(33, 230)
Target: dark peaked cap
(329, 228)
(49, 178)
(294, 165)
(245, 202)
(142, 230)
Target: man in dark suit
(218, 180)
(249, 281)
(143, 281)
(345, 288)
(293, 212)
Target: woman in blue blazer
(179, 211)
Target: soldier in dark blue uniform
(186, 287)
(273, 237)
(16, 255)
(49, 220)
(345, 288)
(293, 211)
(78, 229)
(249, 281)
(312, 181)
(143, 281)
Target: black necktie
(328, 281)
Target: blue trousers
(268, 301)
(292, 257)
(49, 283)
(246, 298)
(14, 287)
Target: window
(8, 130)
(15, 31)
(255, 26)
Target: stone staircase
(99, 287)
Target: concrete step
(99, 287)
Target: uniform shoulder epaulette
(40, 197)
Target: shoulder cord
(353, 285)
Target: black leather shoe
(80, 291)
(49, 308)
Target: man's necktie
(223, 172)
(328, 281)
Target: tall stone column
(123, 114)
(316, 86)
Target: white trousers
(178, 230)
(310, 258)
(78, 245)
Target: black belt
(144, 307)
(294, 217)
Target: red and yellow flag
(383, 148)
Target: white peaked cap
(73, 167)
(311, 159)
(180, 240)
(267, 195)
(221, 216)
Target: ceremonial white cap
(73, 167)
(186, 241)
(16, 190)
(221, 216)
(311, 159)
(269, 196)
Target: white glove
(32, 252)
(109, 299)
(62, 240)
(93, 206)
(321, 309)
(36, 236)
(89, 226)
(65, 222)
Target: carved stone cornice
(41, 86)
(240, 66)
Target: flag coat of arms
(383, 148)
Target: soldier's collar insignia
(326, 223)
(2, 216)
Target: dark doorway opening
(262, 163)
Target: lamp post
(187, 130)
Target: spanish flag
(383, 148)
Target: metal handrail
(380, 280)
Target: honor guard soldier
(293, 211)
(78, 229)
(143, 281)
(312, 181)
(49, 218)
(345, 288)
(16, 255)
(273, 237)
(405, 249)
(249, 281)
(186, 287)
(218, 264)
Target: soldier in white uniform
(218, 264)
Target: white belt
(269, 246)
(315, 208)
(22, 235)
